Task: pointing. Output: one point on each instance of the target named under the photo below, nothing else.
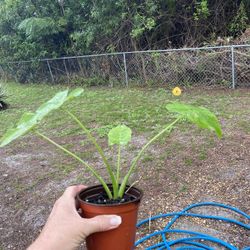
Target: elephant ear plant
(120, 135)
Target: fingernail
(115, 221)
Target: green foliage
(201, 10)
(29, 120)
(239, 22)
(119, 135)
(200, 116)
(38, 29)
(26, 123)
(142, 24)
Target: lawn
(188, 167)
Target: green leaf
(26, 123)
(75, 93)
(35, 27)
(120, 135)
(56, 102)
(200, 116)
(29, 120)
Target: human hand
(66, 229)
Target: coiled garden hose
(194, 240)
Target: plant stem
(100, 151)
(125, 180)
(118, 164)
(91, 169)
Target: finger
(69, 196)
(100, 223)
(71, 191)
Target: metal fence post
(233, 67)
(66, 70)
(125, 69)
(50, 71)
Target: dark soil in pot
(102, 198)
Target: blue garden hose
(196, 240)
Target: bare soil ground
(186, 168)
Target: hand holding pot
(66, 229)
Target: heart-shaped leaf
(120, 135)
(200, 116)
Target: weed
(203, 154)
(188, 162)
(183, 188)
(175, 178)
(147, 158)
(66, 169)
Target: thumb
(101, 223)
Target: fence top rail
(132, 52)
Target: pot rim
(136, 200)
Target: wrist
(48, 242)
(42, 243)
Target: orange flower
(176, 91)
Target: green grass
(65, 169)
(99, 109)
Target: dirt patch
(223, 177)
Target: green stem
(118, 164)
(125, 180)
(91, 169)
(100, 151)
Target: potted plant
(116, 196)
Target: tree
(43, 28)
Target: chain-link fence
(227, 66)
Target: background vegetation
(43, 28)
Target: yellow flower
(176, 91)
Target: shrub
(3, 104)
